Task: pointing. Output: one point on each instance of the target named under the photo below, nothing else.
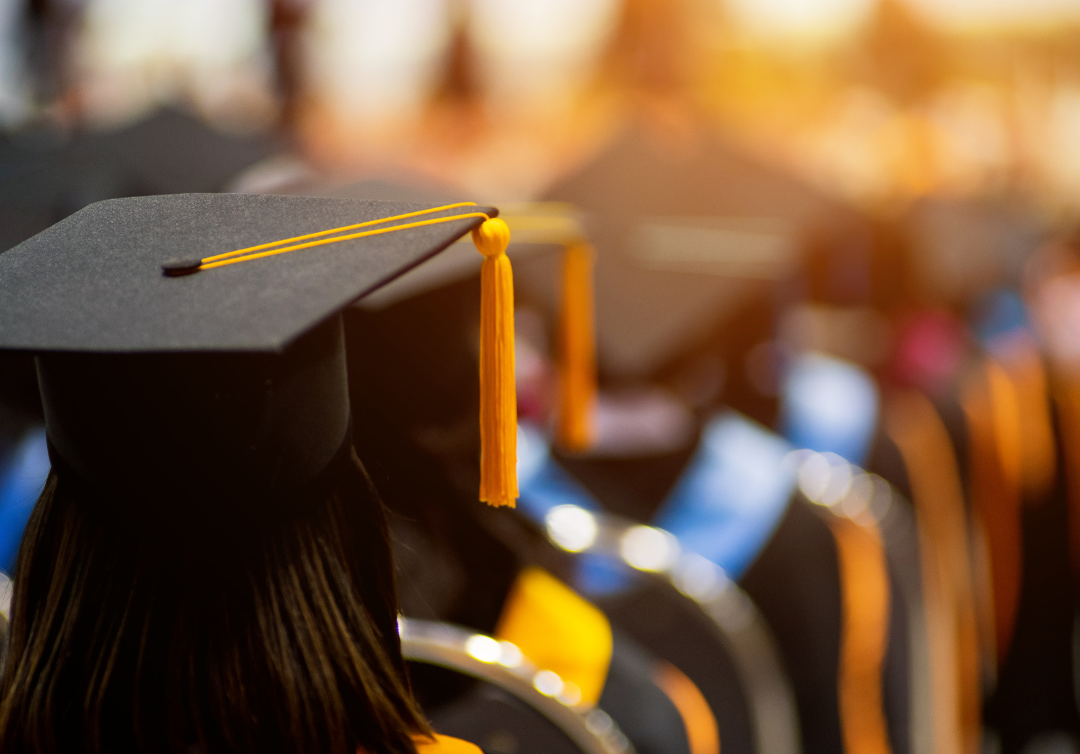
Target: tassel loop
(575, 428)
(498, 392)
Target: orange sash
(864, 580)
(912, 422)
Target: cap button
(175, 267)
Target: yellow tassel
(498, 393)
(577, 351)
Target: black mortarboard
(685, 237)
(46, 174)
(219, 390)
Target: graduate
(694, 249)
(208, 567)
(466, 564)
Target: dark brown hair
(287, 643)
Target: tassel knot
(492, 237)
(498, 393)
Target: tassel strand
(498, 392)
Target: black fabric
(887, 462)
(633, 487)
(451, 564)
(5, 638)
(1035, 691)
(896, 671)
(795, 583)
(93, 282)
(221, 434)
(644, 712)
(414, 387)
(20, 404)
(419, 361)
(950, 408)
(478, 712)
(484, 714)
(907, 622)
(459, 584)
(448, 567)
(417, 432)
(674, 629)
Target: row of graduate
(782, 600)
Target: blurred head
(285, 641)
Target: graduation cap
(221, 377)
(685, 238)
(46, 174)
(534, 226)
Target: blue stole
(725, 505)
(830, 405)
(22, 478)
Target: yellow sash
(558, 631)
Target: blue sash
(732, 494)
(21, 481)
(725, 506)
(829, 405)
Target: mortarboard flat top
(94, 281)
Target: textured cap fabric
(93, 282)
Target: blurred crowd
(874, 102)
(837, 277)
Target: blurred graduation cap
(46, 174)
(960, 249)
(685, 236)
(223, 388)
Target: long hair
(287, 644)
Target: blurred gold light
(803, 18)
(998, 14)
(826, 18)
